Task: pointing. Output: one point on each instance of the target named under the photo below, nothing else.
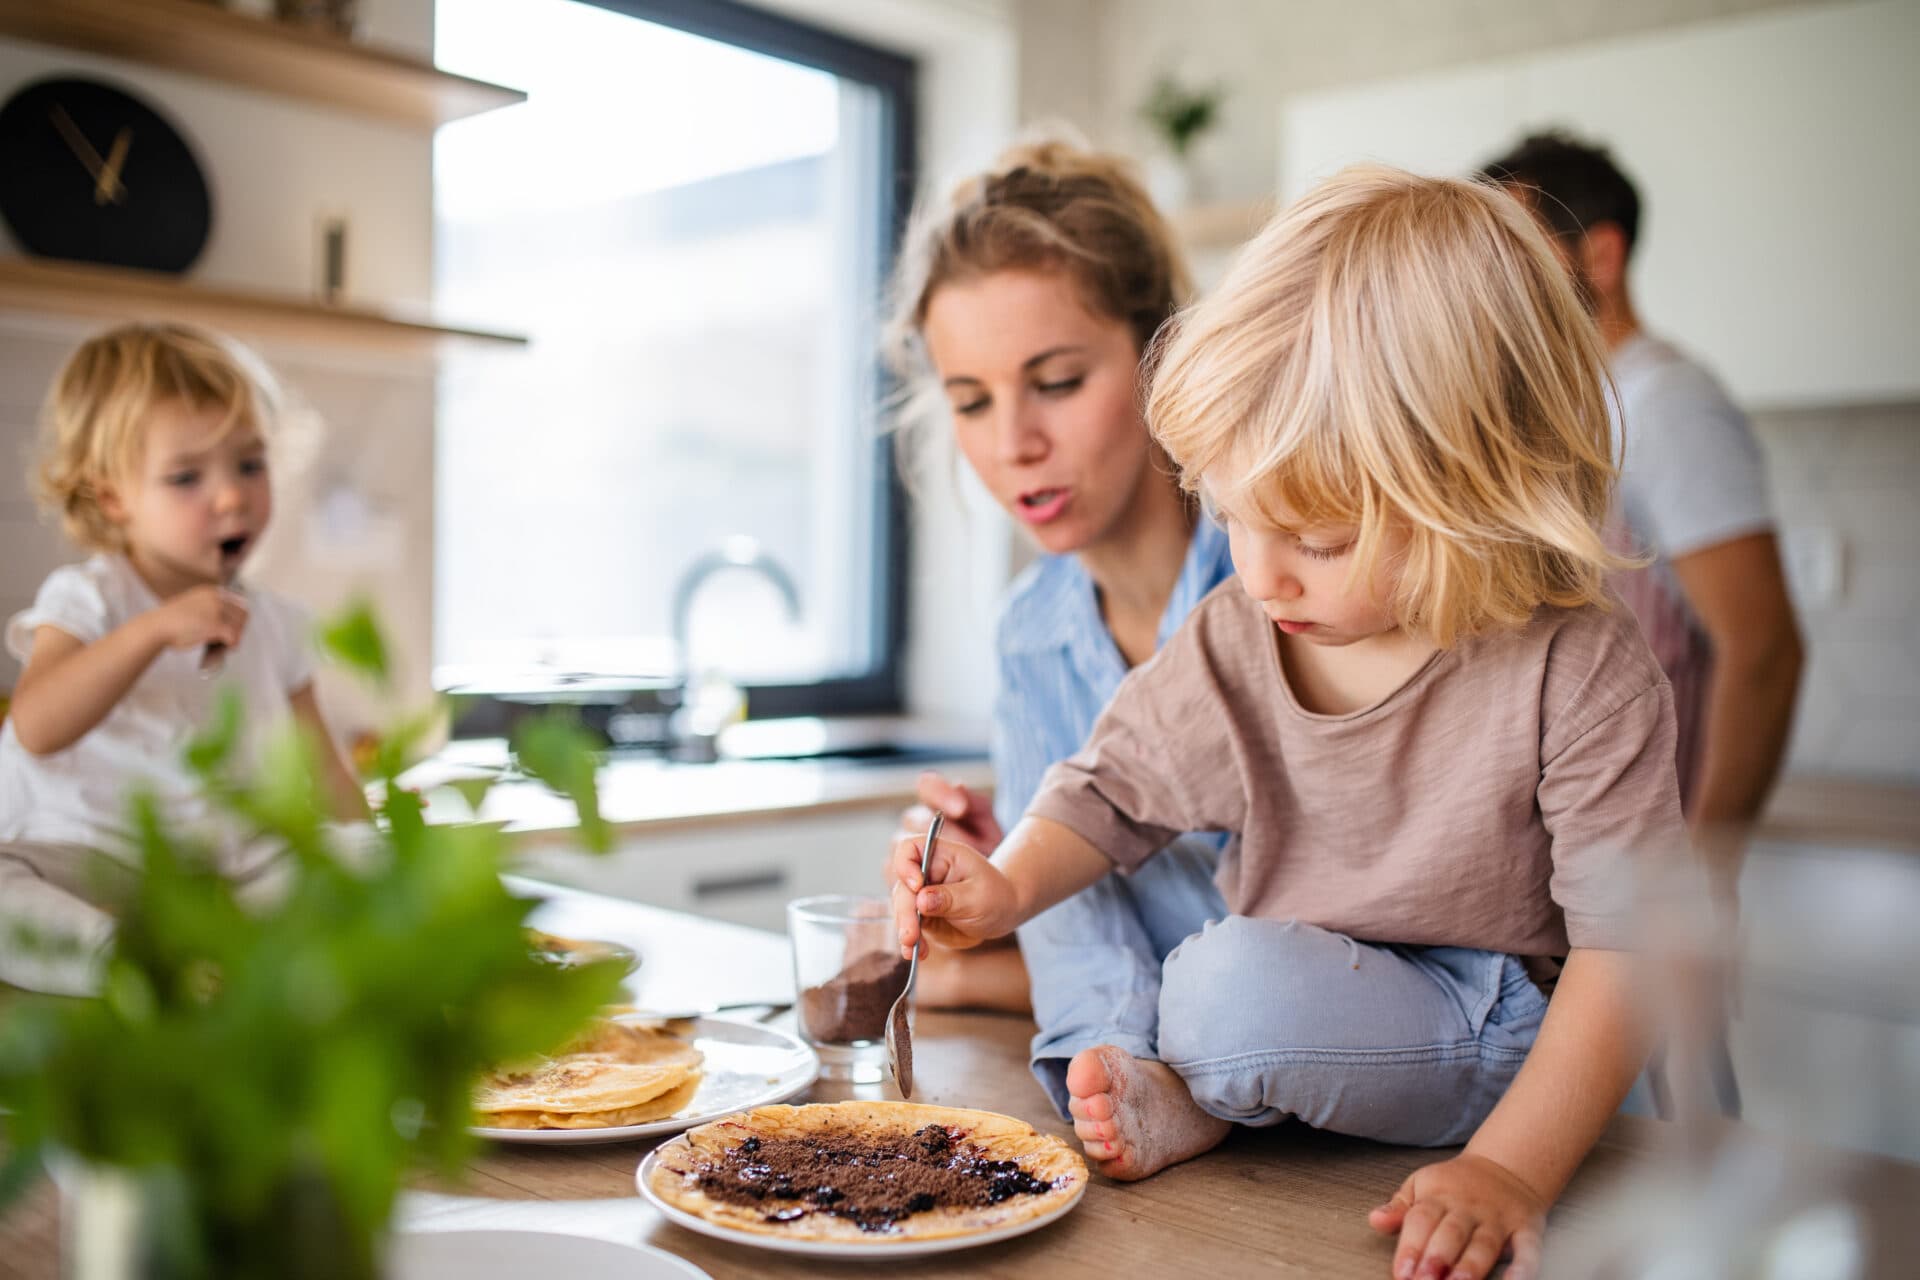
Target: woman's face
(1045, 402)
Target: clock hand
(109, 186)
(77, 142)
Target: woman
(1024, 304)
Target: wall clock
(89, 172)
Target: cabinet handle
(742, 882)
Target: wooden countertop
(1809, 809)
(1284, 1201)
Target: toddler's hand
(967, 815)
(200, 616)
(965, 899)
(1455, 1218)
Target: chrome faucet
(697, 741)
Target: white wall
(1264, 50)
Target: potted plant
(1179, 115)
(253, 1082)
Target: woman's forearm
(60, 701)
(1590, 1048)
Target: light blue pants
(1270, 1019)
(1094, 961)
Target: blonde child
(156, 460)
(1433, 740)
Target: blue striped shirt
(1059, 665)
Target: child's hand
(1455, 1218)
(965, 901)
(200, 616)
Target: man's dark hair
(1578, 184)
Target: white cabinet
(1775, 159)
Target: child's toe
(1093, 1130)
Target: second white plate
(509, 1255)
(747, 1065)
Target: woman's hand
(1456, 1219)
(199, 616)
(968, 817)
(963, 900)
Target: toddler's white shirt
(80, 795)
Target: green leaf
(473, 791)
(354, 638)
(210, 749)
(555, 749)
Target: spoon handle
(926, 861)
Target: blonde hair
(1403, 351)
(1045, 205)
(102, 399)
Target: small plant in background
(255, 1080)
(1180, 114)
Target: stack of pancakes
(615, 1073)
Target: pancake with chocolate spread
(614, 1073)
(868, 1171)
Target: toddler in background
(155, 458)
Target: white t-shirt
(80, 794)
(1694, 475)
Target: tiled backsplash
(1854, 474)
(1848, 474)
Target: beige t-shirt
(1494, 800)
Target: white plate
(879, 1247)
(510, 1255)
(747, 1065)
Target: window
(691, 217)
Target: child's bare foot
(1133, 1115)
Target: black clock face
(90, 173)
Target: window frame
(880, 690)
(895, 76)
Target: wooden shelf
(200, 38)
(112, 293)
(1223, 225)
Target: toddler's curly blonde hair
(103, 396)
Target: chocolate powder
(872, 1184)
(853, 1006)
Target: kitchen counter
(1279, 1201)
(643, 795)
(1809, 809)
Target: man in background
(1693, 496)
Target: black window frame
(880, 690)
(896, 77)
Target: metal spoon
(899, 1036)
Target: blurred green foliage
(1180, 113)
(268, 1073)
